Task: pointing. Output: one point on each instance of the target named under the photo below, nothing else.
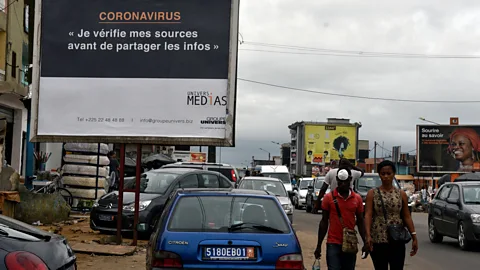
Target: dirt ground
(78, 230)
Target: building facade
(316, 144)
(14, 63)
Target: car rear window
(275, 187)
(227, 172)
(218, 213)
(285, 177)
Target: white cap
(343, 175)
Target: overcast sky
(410, 26)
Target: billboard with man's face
(325, 143)
(448, 149)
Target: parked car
(312, 193)
(226, 170)
(23, 247)
(155, 189)
(455, 212)
(300, 192)
(238, 229)
(273, 186)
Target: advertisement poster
(142, 69)
(331, 142)
(318, 159)
(198, 157)
(444, 149)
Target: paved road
(446, 255)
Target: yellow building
(13, 78)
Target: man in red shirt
(351, 209)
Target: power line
(350, 53)
(363, 56)
(359, 97)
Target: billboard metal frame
(227, 141)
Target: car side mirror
(453, 201)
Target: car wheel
(462, 239)
(434, 236)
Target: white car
(273, 186)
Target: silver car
(272, 185)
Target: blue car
(224, 229)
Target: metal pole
(375, 156)
(137, 193)
(268, 155)
(120, 194)
(98, 171)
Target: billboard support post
(137, 194)
(375, 156)
(120, 193)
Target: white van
(279, 172)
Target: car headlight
(475, 218)
(287, 207)
(95, 204)
(141, 206)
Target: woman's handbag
(397, 233)
(350, 239)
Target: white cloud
(412, 26)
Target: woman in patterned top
(382, 251)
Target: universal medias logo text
(205, 98)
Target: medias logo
(205, 98)
(214, 121)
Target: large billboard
(324, 143)
(150, 71)
(448, 149)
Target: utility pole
(375, 156)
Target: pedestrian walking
(342, 210)
(389, 225)
(331, 180)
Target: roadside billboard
(448, 149)
(330, 142)
(135, 71)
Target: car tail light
(234, 177)
(22, 260)
(290, 261)
(165, 259)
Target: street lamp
(265, 151)
(423, 119)
(276, 143)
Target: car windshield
(285, 177)
(305, 183)
(471, 194)
(319, 184)
(366, 183)
(219, 213)
(275, 187)
(153, 182)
